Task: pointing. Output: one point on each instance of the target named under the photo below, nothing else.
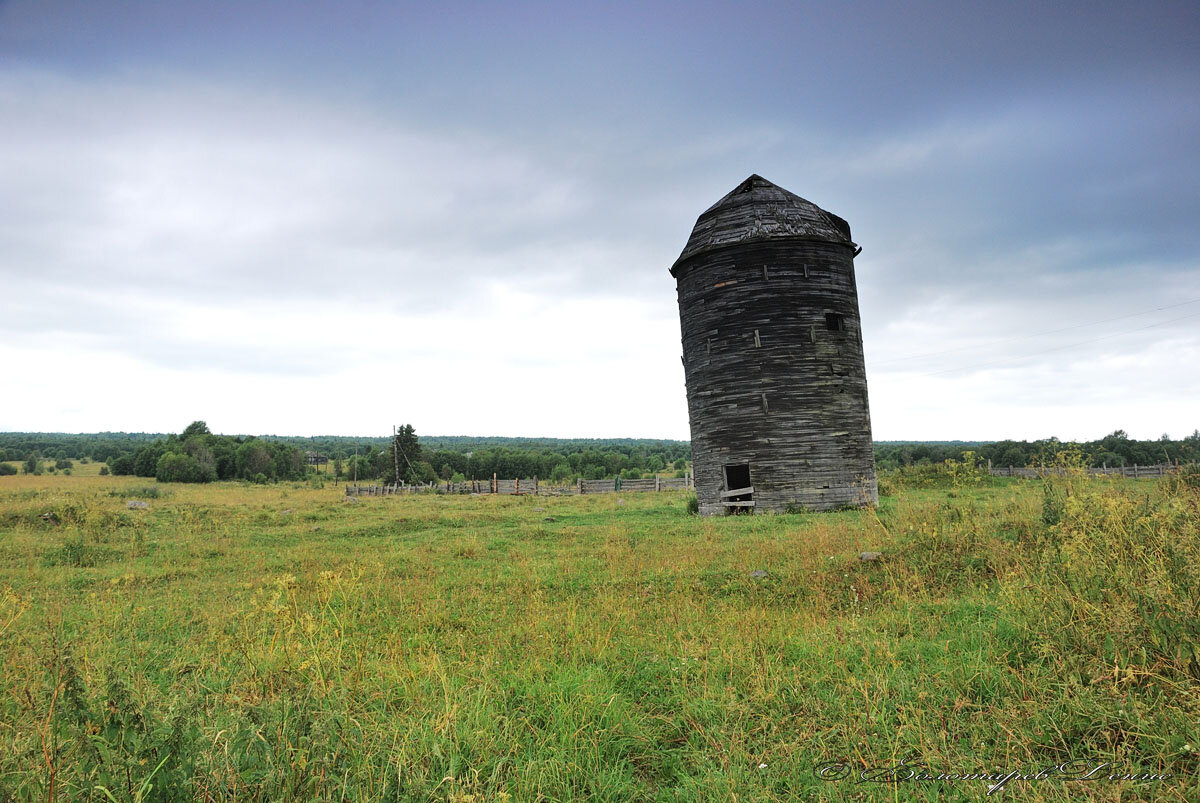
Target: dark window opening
(738, 496)
(834, 322)
(737, 477)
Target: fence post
(517, 487)
(657, 484)
(581, 485)
(494, 488)
(535, 485)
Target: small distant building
(773, 356)
(314, 459)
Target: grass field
(285, 643)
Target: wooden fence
(1135, 471)
(533, 487)
(529, 486)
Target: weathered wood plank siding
(773, 358)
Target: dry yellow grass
(282, 642)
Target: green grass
(284, 643)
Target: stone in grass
(869, 556)
(549, 518)
(620, 501)
(137, 504)
(758, 573)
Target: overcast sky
(329, 218)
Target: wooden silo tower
(773, 356)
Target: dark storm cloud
(1003, 166)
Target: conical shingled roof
(759, 210)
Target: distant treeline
(459, 458)
(272, 457)
(1115, 449)
(194, 455)
(434, 458)
(61, 445)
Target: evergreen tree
(408, 454)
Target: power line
(1037, 334)
(1061, 348)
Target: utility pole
(356, 465)
(396, 453)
